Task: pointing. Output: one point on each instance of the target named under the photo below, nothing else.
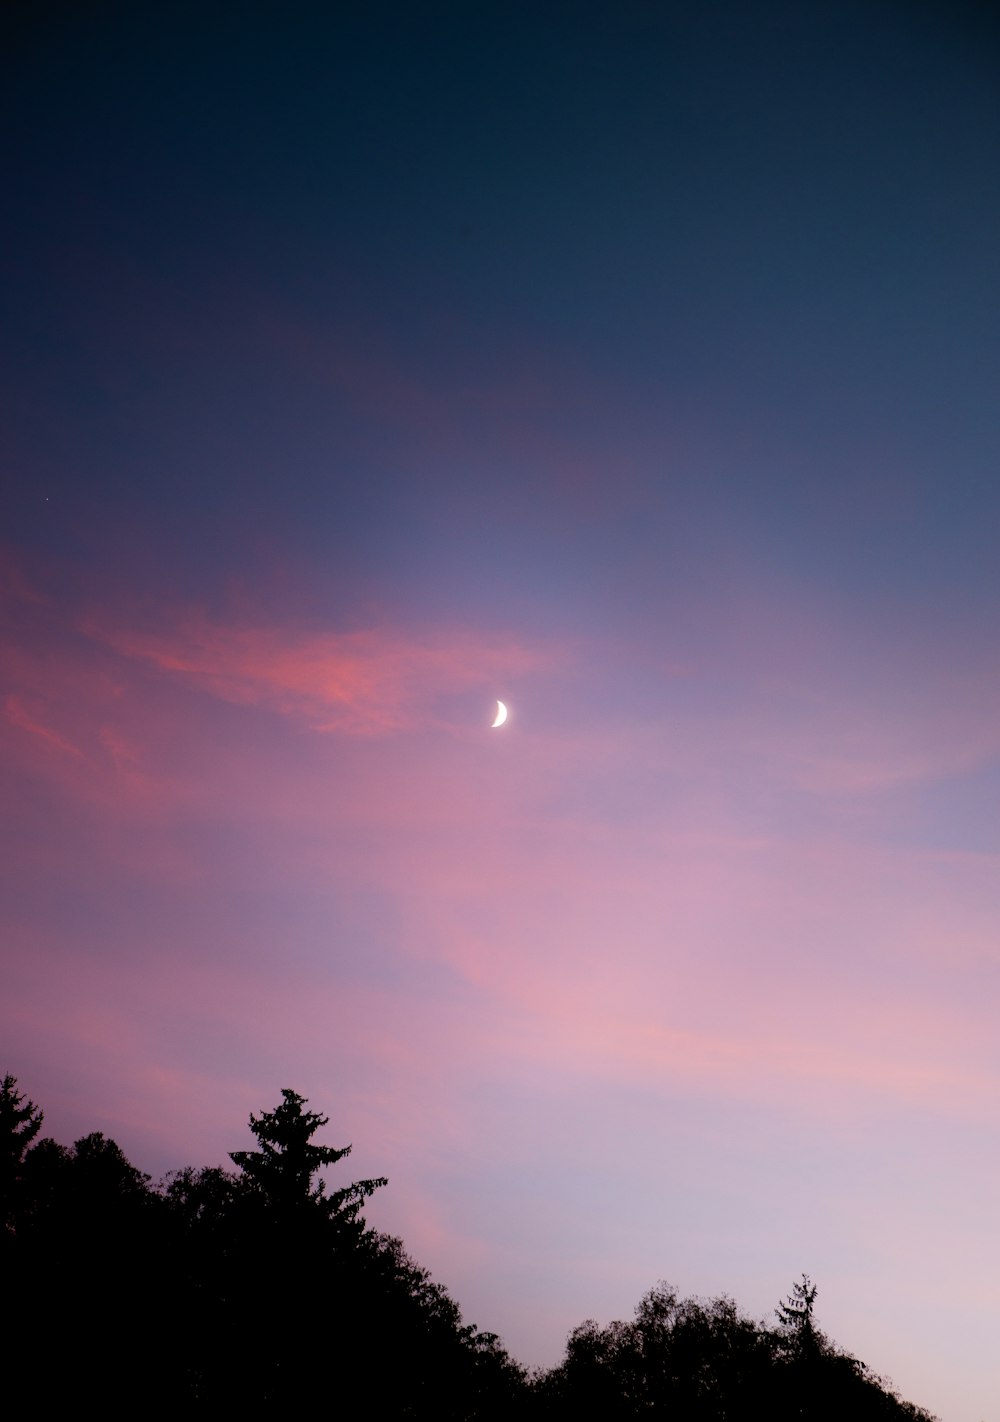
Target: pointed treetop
(284, 1166)
(796, 1312)
(20, 1121)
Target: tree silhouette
(92, 1274)
(254, 1290)
(269, 1253)
(685, 1358)
(282, 1170)
(703, 1361)
(795, 1311)
(20, 1122)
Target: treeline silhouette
(255, 1290)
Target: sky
(635, 365)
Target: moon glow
(501, 715)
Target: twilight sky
(636, 364)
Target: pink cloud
(367, 682)
(679, 944)
(19, 715)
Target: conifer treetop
(284, 1166)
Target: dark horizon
(264, 1285)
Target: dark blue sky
(737, 259)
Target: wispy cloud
(367, 682)
(32, 721)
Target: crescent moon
(501, 715)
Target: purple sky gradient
(637, 369)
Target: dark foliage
(696, 1361)
(91, 1265)
(256, 1291)
(20, 1122)
(288, 1294)
(282, 1171)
